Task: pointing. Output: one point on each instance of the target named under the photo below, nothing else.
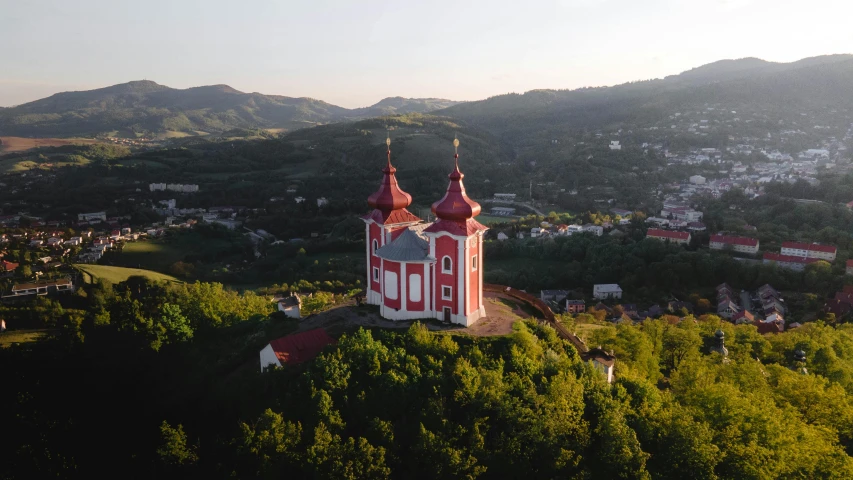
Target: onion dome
(455, 205)
(389, 197)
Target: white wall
(268, 358)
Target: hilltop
(148, 108)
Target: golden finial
(455, 144)
(388, 140)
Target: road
(746, 301)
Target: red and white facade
(681, 238)
(738, 244)
(418, 270)
(809, 250)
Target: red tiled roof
(393, 217)
(770, 327)
(844, 297)
(778, 257)
(850, 263)
(816, 247)
(743, 313)
(654, 232)
(464, 229)
(750, 242)
(7, 266)
(301, 347)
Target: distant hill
(747, 84)
(146, 107)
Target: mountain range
(146, 107)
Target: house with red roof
(295, 349)
(737, 244)
(790, 262)
(681, 238)
(743, 316)
(849, 270)
(809, 250)
(7, 266)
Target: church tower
(388, 219)
(456, 244)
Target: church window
(446, 265)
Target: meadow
(119, 274)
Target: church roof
(409, 246)
(462, 228)
(455, 205)
(391, 217)
(389, 197)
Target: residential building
(294, 349)
(809, 250)
(697, 180)
(727, 309)
(743, 316)
(291, 306)
(8, 266)
(849, 269)
(597, 230)
(602, 361)
(502, 236)
(41, 288)
(682, 238)
(737, 244)
(553, 295)
(575, 306)
(790, 262)
(88, 217)
(614, 145)
(606, 291)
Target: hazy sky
(354, 53)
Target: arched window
(446, 265)
(375, 246)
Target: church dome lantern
(389, 196)
(455, 205)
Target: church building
(418, 270)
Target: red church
(425, 270)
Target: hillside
(746, 84)
(147, 108)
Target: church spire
(455, 205)
(389, 197)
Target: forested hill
(146, 107)
(746, 85)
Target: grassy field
(17, 165)
(9, 337)
(161, 253)
(18, 144)
(120, 274)
(490, 219)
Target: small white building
(597, 230)
(697, 180)
(614, 145)
(502, 236)
(604, 291)
(291, 306)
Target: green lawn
(9, 337)
(159, 254)
(490, 219)
(120, 274)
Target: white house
(296, 348)
(598, 230)
(291, 306)
(603, 291)
(502, 236)
(614, 145)
(697, 180)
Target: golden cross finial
(455, 144)
(388, 140)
